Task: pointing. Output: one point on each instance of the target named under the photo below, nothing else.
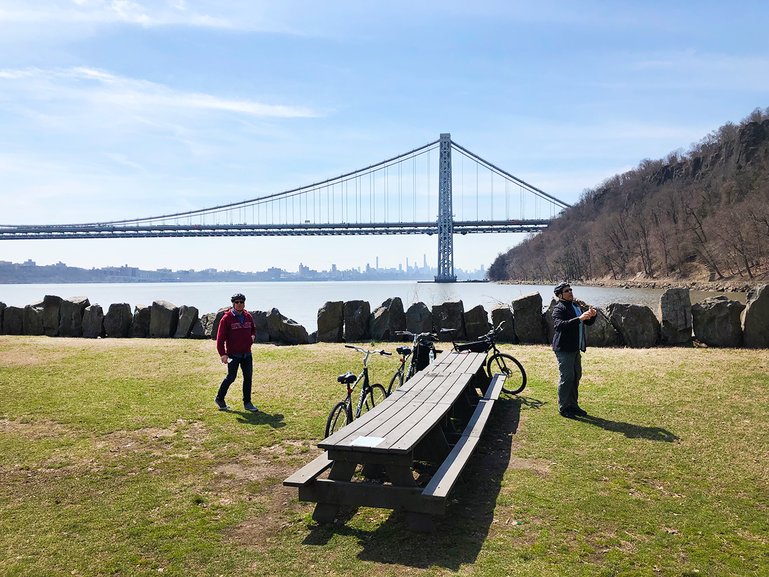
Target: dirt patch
(152, 439)
(37, 429)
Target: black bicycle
(497, 361)
(370, 395)
(420, 354)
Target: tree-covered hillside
(700, 215)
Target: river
(300, 301)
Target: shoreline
(725, 285)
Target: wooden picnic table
(434, 419)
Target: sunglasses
(238, 302)
(566, 290)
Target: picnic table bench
(434, 421)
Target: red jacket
(234, 337)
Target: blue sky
(120, 109)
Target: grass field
(114, 461)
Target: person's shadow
(630, 430)
(260, 418)
(459, 534)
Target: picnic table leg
(327, 512)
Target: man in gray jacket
(568, 340)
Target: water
(300, 301)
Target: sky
(113, 109)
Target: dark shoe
(579, 412)
(222, 405)
(250, 407)
(567, 414)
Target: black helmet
(238, 297)
(559, 288)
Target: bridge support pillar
(445, 214)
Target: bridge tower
(445, 214)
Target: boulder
(197, 331)
(118, 320)
(419, 319)
(387, 320)
(285, 330)
(188, 316)
(547, 318)
(636, 324)
(529, 321)
(356, 320)
(51, 313)
(2, 314)
(140, 325)
(675, 312)
(601, 333)
(164, 317)
(262, 328)
(13, 320)
(33, 320)
(93, 322)
(504, 314)
(331, 322)
(716, 322)
(476, 322)
(71, 316)
(451, 316)
(755, 318)
(217, 318)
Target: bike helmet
(559, 288)
(238, 297)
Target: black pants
(247, 366)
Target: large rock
(755, 318)
(636, 324)
(675, 311)
(13, 321)
(285, 330)
(503, 314)
(51, 315)
(71, 316)
(2, 315)
(529, 321)
(188, 316)
(197, 331)
(356, 321)
(118, 320)
(218, 318)
(207, 321)
(164, 317)
(716, 322)
(261, 325)
(476, 322)
(450, 316)
(387, 320)
(140, 325)
(33, 320)
(419, 319)
(93, 322)
(331, 322)
(601, 333)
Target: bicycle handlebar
(368, 352)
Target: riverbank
(638, 282)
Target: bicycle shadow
(460, 534)
(260, 418)
(630, 430)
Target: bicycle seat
(403, 351)
(347, 378)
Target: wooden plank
(310, 471)
(336, 493)
(447, 474)
(495, 387)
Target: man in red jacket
(233, 342)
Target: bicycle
(420, 354)
(370, 395)
(497, 361)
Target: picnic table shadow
(630, 430)
(460, 534)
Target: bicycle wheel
(375, 396)
(337, 418)
(515, 375)
(396, 381)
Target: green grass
(114, 461)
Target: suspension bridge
(395, 196)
